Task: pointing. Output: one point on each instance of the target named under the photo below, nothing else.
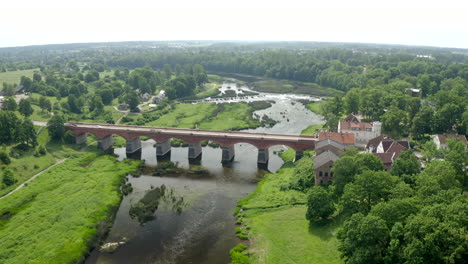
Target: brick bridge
(193, 137)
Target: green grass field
(312, 130)
(233, 117)
(13, 77)
(185, 115)
(278, 231)
(58, 217)
(283, 236)
(315, 107)
(208, 116)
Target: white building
(363, 131)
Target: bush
(5, 158)
(239, 254)
(8, 177)
(69, 138)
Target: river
(204, 231)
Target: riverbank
(269, 85)
(235, 116)
(273, 220)
(83, 193)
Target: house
(160, 97)
(19, 89)
(145, 97)
(372, 145)
(386, 149)
(441, 140)
(323, 164)
(387, 159)
(363, 131)
(328, 144)
(347, 139)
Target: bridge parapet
(227, 139)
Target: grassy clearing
(273, 216)
(208, 116)
(27, 165)
(284, 236)
(232, 117)
(186, 115)
(13, 77)
(272, 191)
(40, 115)
(213, 78)
(60, 215)
(315, 107)
(312, 130)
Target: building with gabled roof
(363, 131)
(386, 149)
(328, 144)
(323, 164)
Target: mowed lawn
(283, 235)
(13, 77)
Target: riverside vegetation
(82, 193)
(377, 82)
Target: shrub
(8, 177)
(5, 158)
(239, 254)
(69, 138)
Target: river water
(204, 231)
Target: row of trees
(402, 216)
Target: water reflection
(203, 232)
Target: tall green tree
(422, 122)
(319, 204)
(56, 127)
(9, 104)
(44, 104)
(25, 133)
(368, 188)
(395, 122)
(363, 239)
(8, 126)
(25, 107)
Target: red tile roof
(359, 126)
(343, 138)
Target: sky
(442, 23)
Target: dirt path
(33, 177)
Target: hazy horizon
(409, 23)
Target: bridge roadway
(193, 137)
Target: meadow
(13, 77)
(273, 219)
(60, 215)
(208, 116)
